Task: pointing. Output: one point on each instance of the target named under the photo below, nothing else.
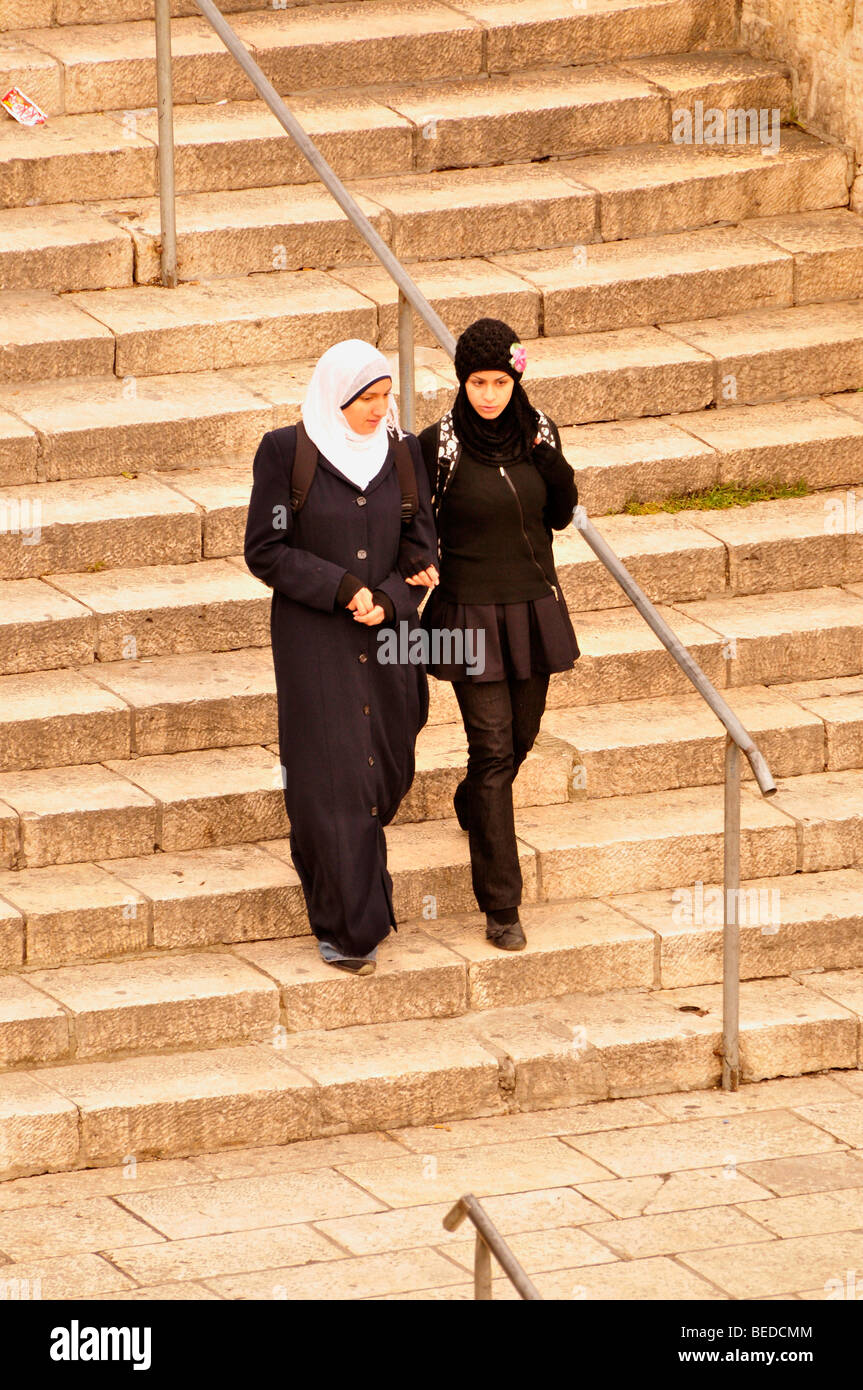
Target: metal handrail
(489, 1241)
(411, 297)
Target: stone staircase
(693, 316)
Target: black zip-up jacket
(495, 523)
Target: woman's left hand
(372, 618)
(428, 578)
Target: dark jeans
(501, 719)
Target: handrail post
(481, 1270)
(407, 372)
(165, 106)
(731, 928)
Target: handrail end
(455, 1216)
(761, 771)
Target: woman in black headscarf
(499, 484)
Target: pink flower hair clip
(518, 357)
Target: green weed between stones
(716, 498)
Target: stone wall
(823, 42)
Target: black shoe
(355, 967)
(507, 936)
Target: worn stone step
(156, 610)
(652, 840)
(670, 839)
(102, 523)
(43, 13)
(589, 289)
(84, 67)
(74, 913)
(768, 354)
(812, 823)
(644, 460)
(675, 187)
(760, 355)
(559, 112)
(435, 969)
(547, 31)
(566, 1051)
(838, 703)
(146, 331)
(171, 704)
(786, 544)
(721, 270)
(184, 701)
(255, 223)
(102, 1010)
(92, 427)
(63, 247)
(736, 641)
(217, 796)
(114, 64)
(659, 742)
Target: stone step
(662, 840)
(186, 701)
(657, 743)
(722, 270)
(577, 379)
(736, 641)
(639, 189)
(147, 331)
(39, 14)
(97, 67)
(819, 441)
(549, 31)
(181, 801)
(269, 213)
(570, 1050)
(123, 807)
(67, 619)
(787, 544)
(751, 357)
(263, 317)
(265, 990)
(80, 68)
(769, 354)
(127, 808)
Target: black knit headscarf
(490, 345)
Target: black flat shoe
(509, 937)
(354, 967)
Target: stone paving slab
(753, 1198)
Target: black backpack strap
(407, 480)
(306, 461)
(303, 471)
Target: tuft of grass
(719, 497)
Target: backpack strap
(306, 462)
(407, 480)
(303, 471)
(545, 432)
(448, 455)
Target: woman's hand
(374, 616)
(428, 578)
(361, 603)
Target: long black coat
(347, 722)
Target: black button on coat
(347, 726)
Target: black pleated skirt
(515, 640)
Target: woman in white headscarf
(332, 501)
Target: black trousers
(501, 719)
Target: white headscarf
(342, 373)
